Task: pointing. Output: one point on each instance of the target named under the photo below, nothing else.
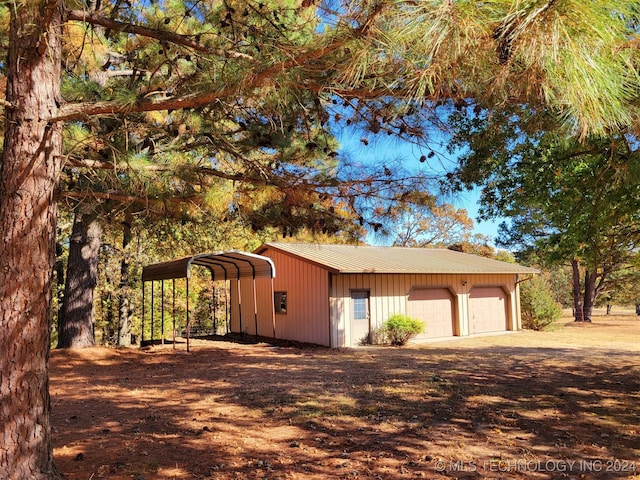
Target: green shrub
(539, 310)
(399, 328)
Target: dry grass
(521, 405)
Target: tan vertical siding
(338, 316)
(265, 307)
(517, 325)
(316, 315)
(248, 314)
(307, 317)
(246, 302)
(389, 294)
(234, 310)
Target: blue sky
(392, 150)
(469, 201)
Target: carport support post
(240, 308)
(162, 311)
(173, 310)
(212, 309)
(227, 286)
(188, 324)
(142, 323)
(153, 284)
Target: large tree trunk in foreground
(77, 319)
(30, 170)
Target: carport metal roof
(223, 266)
(230, 265)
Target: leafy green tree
(560, 285)
(622, 288)
(539, 310)
(568, 202)
(251, 68)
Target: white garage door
(487, 310)
(434, 306)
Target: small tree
(399, 328)
(539, 309)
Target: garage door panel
(487, 310)
(434, 306)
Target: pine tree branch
(128, 199)
(254, 80)
(100, 165)
(165, 35)
(89, 163)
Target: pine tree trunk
(31, 167)
(76, 323)
(124, 300)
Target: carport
(225, 266)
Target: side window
(360, 300)
(280, 301)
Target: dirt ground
(534, 405)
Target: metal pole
(216, 308)
(142, 326)
(227, 286)
(162, 311)
(188, 324)
(212, 307)
(153, 284)
(240, 307)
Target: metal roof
(223, 265)
(369, 259)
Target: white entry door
(360, 317)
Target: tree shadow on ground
(257, 411)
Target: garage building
(339, 295)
